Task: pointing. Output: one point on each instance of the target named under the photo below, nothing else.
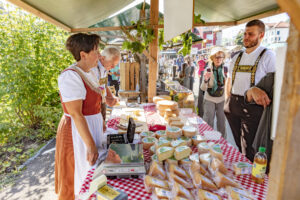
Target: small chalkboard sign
(123, 138)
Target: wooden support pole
(153, 48)
(284, 180)
(292, 7)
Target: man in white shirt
(246, 70)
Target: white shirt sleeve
(71, 86)
(269, 61)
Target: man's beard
(252, 44)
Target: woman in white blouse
(80, 132)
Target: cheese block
(233, 191)
(179, 190)
(177, 143)
(197, 167)
(178, 124)
(202, 181)
(195, 157)
(206, 195)
(240, 168)
(237, 196)
(159, 134)
(170, 113)
(173, 132)
(148, 142)
(146, 134)
(178, 171)
(172, 160)
(222, 180)
(152, 150)
(198, 139)
(161, 112)
(165, 104)
(162, 143)
(152, 182)
(217, 165)
(154, 157)
(205, 159)
(181, 181)
(216, 151)
(161, 193)
(164, 153)
(172, 119)
(156, 99)
(203, 147)
(182, 152)
(185, 161)
(156, 170)
(189, 131)
(187, 139)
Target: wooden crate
(129, 75)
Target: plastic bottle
(259, 166)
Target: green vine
(187, 42)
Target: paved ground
(37, 181)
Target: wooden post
(284, 180)
(153, 47)
(292, 7)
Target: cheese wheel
(203, 147)
(202, 181)
(167, 104)
(170, 112)
(156, 170)
(198, 139)
(148, 142)
(178, 124)
(205, 159)
(217, 165)
(172, 119)
(206, 195)
(222, 180)
(162, 143)
(160, 133)
(164, 153)
(146, 134)
(216, 151)
(165, 138)
(152, 150)
(179, 190)
(187, 139)
(161, 193)
(156, 99)
(152, 182)
(177, 143)
(189, 131)
(182, 152)
(173, 132)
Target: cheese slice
(148, 142)
(233, 193)
(240, 168)
(185, 161)
(177, 143)
(152, 150)
(173, 132)
(172, 160)
(203, 147)
(162, 143)
(180, 198)
(164, 153)
(198, 139)
(217, 165)
(146, 134)
(205, 159)
(187, 139)
(178, 171)
(156, 170)
(160, 133)
(178, 124)
(181, 181)
(189, 131)
(182, 152)
(202, 181)
(179, 190)
(222, 180)
(194, 157)
(216, 151)
(237, 196)
(151, 183)
(162, 193)
(206, 195)
(197, 167)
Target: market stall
(148, 113)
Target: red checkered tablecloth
(135, 187)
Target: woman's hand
(92, 154)
(207, 76)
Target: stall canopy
(74, 14)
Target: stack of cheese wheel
(167, 106)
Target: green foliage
(198, 20)
(187, 41)
(32, 56)
(239, 38)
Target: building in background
(212, 36)
(276, 33)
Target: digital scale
(123, 159)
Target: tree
(239, 38)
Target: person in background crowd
(80, 139)
(115, 75)
(189, 73)
(179, 63)
(201, 64)
(214, 86)
(246, 70)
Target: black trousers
(243, 119)
(116, 84)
